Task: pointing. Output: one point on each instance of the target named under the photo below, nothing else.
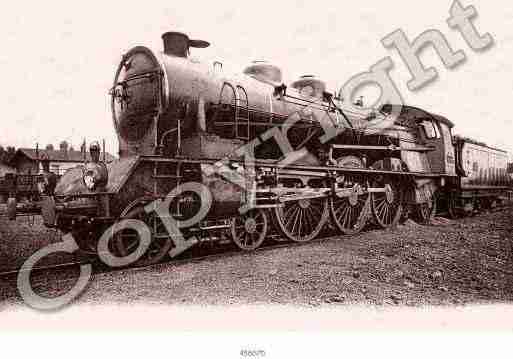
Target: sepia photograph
(266, 179)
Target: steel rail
(279, 242)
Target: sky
(58, 58)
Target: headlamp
(95, 175)
(89, 180)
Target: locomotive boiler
(294, 156)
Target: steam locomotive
(295, 158)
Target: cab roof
(416, 113)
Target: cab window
(430, 129)
(438, 135)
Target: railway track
(182, 259)
(271, 243)
(44, 268)
(67, 280)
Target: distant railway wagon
(23, 193)
(484, 166)
(483, 173)
(22, 186)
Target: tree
(11, 152)
(7, 154)
(64, 146)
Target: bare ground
(450, 262)
(21, 238)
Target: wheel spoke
(301, 213)
(346, 214)
(289, 211)
(317, 210)
(292, 217)
(296, 219)
(308, 219)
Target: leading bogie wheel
(127, 241)
(250, 229)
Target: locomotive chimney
(64, 147)
(178, 44)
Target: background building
(6, 169)
(26, 159)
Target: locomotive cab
(436, 132)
